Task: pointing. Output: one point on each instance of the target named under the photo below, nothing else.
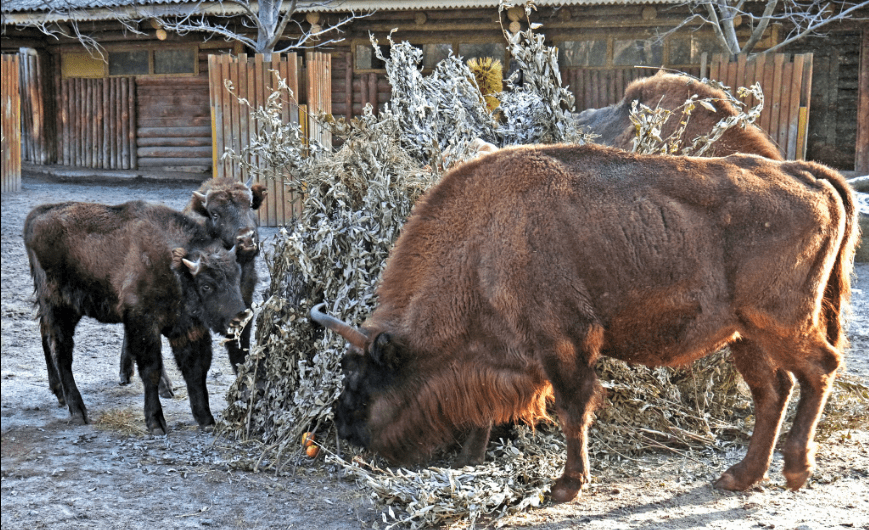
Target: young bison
(227, 210)
(655, 260)
(146, 266)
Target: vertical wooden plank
(277, 185)
(861, 156)
(759, 62)
(134, 156)
(66, 131)
(76, 123)
(348, 82)
(234, 116)
(105, 158)
(793, 123)
(785, 108)
(225, 169)
(805, 105)
(768, 80)
(704, 58)
(212, 107)
(372, 92)
(96, 138)
(739, 79)
(115, 122)
(775, 98)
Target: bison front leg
(164, 387)
(770, 389)
(474, 447)
(577, 394)
(194, 360)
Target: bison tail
(837, 294)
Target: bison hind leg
(770, 389)
(58, 326)
(815, 373)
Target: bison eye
(215, 216)
(206, 288)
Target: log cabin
(149, 87)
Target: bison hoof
(166, 392)
(731, 481)
(797, 480)
(566, 489)
(157, 431)
(206, 428)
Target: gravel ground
(57, 475)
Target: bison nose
(247, 240)
(241, 319)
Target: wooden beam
(861, 156)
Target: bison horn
(194, 267)
(249, 182)
(351, 334)
(202, 197)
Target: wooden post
(861, 155)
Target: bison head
(228, 207)
(212, 277)
(375, 400)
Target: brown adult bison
(670, 91)
(149, 267)
(650, 259)
(227, 210)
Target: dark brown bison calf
(648, 259)
(146, 266)
(227, 210)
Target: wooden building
(151, 91)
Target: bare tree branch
(802, 17)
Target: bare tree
(800, 17)
(270, 19)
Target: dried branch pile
(355, 201)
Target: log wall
(174, 123)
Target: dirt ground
(58, 475)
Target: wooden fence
(98, 123)
(10, 124)
(252, 79)
(787, 87)
(597, 88)
(37, 109)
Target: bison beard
(146, 266)
(648, 259)
(227, 210)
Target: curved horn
(351, 334)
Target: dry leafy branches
(355, 201)
(649, 122)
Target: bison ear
(198, 203)
(177, 255)
(384, 351)
(259, 194)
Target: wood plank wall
(98, 123)
(786, 82)
(10, 124)
(174, 123)
(233, 128)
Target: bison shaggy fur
(521, 268)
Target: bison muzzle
(520, 269)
